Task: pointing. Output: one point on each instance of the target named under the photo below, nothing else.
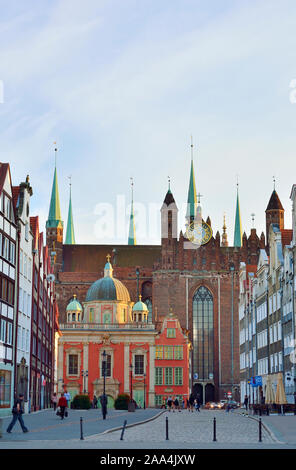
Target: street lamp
(103, 402)
(144, 391)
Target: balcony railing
(107, 326)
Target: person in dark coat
(191, 402)
(17, 412)
(246, 401)
(104, 403)
(95, 402)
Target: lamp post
(103, 401)
(232, 282)
(144, 391)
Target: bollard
(123, 429)
(81, 430)
(167, 428)
(214, 429)
(260, 430)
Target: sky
(122, 85)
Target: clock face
(199, 233)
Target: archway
(198, 392)
(210, 392)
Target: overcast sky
(122, 85)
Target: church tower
(191, 200)
(274, 213)
(237, 241)
(70, 237)
(169, 230)
(55, 225)
(132, 230)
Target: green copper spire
(70, 237)
(54, 216)
(191, 201)
(132, 229)
(238, 226)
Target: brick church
(193, 273)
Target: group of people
(174, 404)
(62, 403)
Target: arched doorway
(110, 403)
(210, 392)
(198, 392)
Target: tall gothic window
(203, 334)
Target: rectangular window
(25, 265)
(9, 333)
(158, 400)
(168, 352)
(12, 253)
(4, 289)
(158, 352)
(171, 333)
(73, 364)
(168, 376)
(158, 375)
(3, 331)
(178, 352)
(10, 293)
(5, 387)
(5, 248)
(139, 364)
(178, 376)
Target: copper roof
(274, 202)
(90, 258)
(287, 235)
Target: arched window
(203, 334)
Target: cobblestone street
(187, 427)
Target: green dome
(74, 305)
(107, 288)
(140, 307)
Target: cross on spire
(199, 196)
(108, 258)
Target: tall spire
(132, 229)
(238, 226)
(224, 235)
(54, 216)
(70, 237)
(191, 201)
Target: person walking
(197, 405)
(246, 401)
(170, 402)
(95, 402)
(63, 405)
(54, 401)
(177, 404)
(191, 402)
(68, 398)
(17, 412)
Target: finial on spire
(140, 297)
(55, 154)
(169, 181)
(224, 222)
(132, 186)
(191, 148)
(74, 296)
(108, 258)
(253, 219)
(199, 196)
(273, 182)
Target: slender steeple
(224, 235)
(238, 226)
(70, 237)
(191, 200)
(54, 216)
(132, 229)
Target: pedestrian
(54, 401)
(177, 404)
(188, 404)
(95, 402)
(183, 403)
(197, 404)
(17, 412)
(191, 402)
(169, 403)
(68, 398)
(63, 405)
(104, 403)
(246, 401)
